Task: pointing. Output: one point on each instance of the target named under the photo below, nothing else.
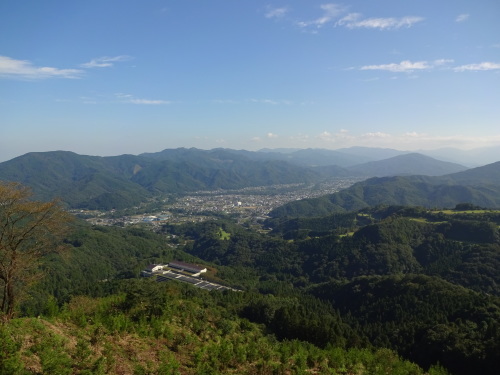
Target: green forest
(385, 290)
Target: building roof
(186, 266)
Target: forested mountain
(339, 284)
(486, 175)
(124, 181)
(305, 157)
(407, 164)
(80, 181)
(342, 292)
(427, 319)
(480, 186)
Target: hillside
(154, 328)
(352, 291)
(486, 175)
(80, 181)
(479, 186)
(390, 299)
(407, 164)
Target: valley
(248, 205)
(309, 268)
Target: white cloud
(127, 98)
(376, 135)
(477, 67)
(303, 138)
(462, 18)
(105, 61)
(330, 13)
(338, 138)
(22, 69)
(412, 134)
(272, 135)
(271, 102)
(354, 21)
(326, 136)
(441, 62)
(402, 67)
(276, 12)
(337, 15)
(149, 101)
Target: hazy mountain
(335, 171)
(315, 157)
(303, 158)
(407, 164)
(470, 158)
(347, 157)
(372, 153)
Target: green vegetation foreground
(171, 328)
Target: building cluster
(254, 202)
(182, 272)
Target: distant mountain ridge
(407, 164)
(351, 156)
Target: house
(154, 267)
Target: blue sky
(110, 77)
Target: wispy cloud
(272, 135)
(356, 21)
(271, 102)
(478, 67)
(402, 67)
(22, 69)
(462, 18)
(335, 14)
(105, 61)
(272, 12)
(330, 13)
(127, 98)
(442, 62)
(407, 66)
(149, 101)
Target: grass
(223, 235)
(453, 212)
(348, 234)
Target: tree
(29, 230)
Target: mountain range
(122, 181)
(479, 186)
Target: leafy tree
(29, 230)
